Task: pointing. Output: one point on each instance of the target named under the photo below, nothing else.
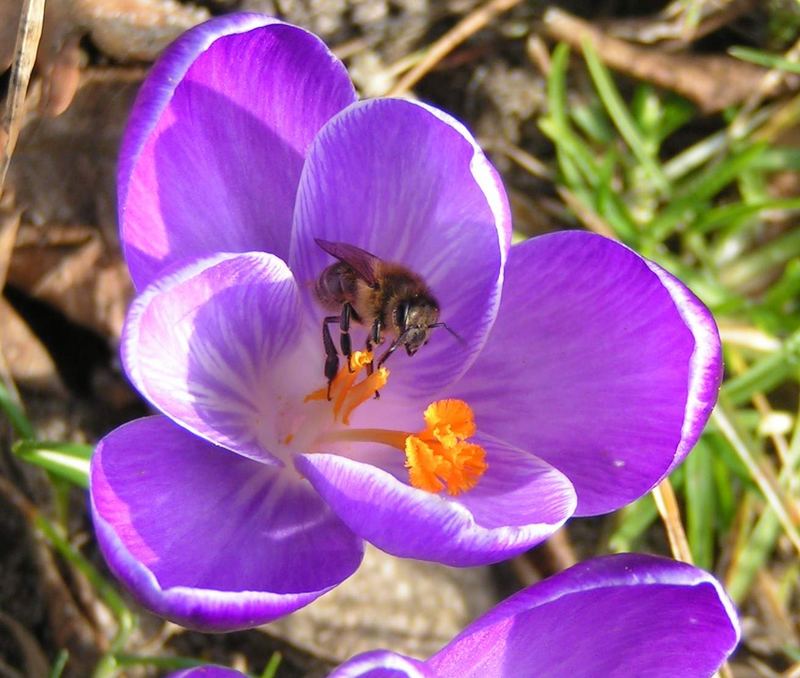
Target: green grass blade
(622, 119)
(69, 461)
(632, 522)
(775, 253)
(271, 669)
(755, 56)
(582, 169)
(19, 422)
(700, 505)
(766, 373)
(693, 199)
(732, 216)
(59, 663)
(759, 546)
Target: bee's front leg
(331, 356)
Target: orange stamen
(450, 421)
(440, 455)
(345, 393)
(362, 392)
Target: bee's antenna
(453, 332)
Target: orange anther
(439, 455)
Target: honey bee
(383, 296)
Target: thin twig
(28, 34)
(465, 28)
(667, 504)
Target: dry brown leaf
(58, 159)
(671, 27)
(713, 82)
(125, 30)
(28, 361)
(34, 659)
(72, 269)
(67, 253)
(135, 30)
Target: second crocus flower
(610, 617)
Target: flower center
(437, 457)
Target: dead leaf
(135, 30)
(29, 363)
(125, 30)
(58, 159)
(713, 82)
(73, 270)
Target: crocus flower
(615, 616)
(581, 375)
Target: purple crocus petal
(599, 362)
(207, 672)
(208, 538)
(214, 148)
(212, 345)
(517, 503)
(409, 184)
(616, 616)
(705, 370)
(382, 664)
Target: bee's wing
(361, 261)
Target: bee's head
(416, 317)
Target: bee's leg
(395, 345)
(373, 337)
(331, 356)
(344, 328)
